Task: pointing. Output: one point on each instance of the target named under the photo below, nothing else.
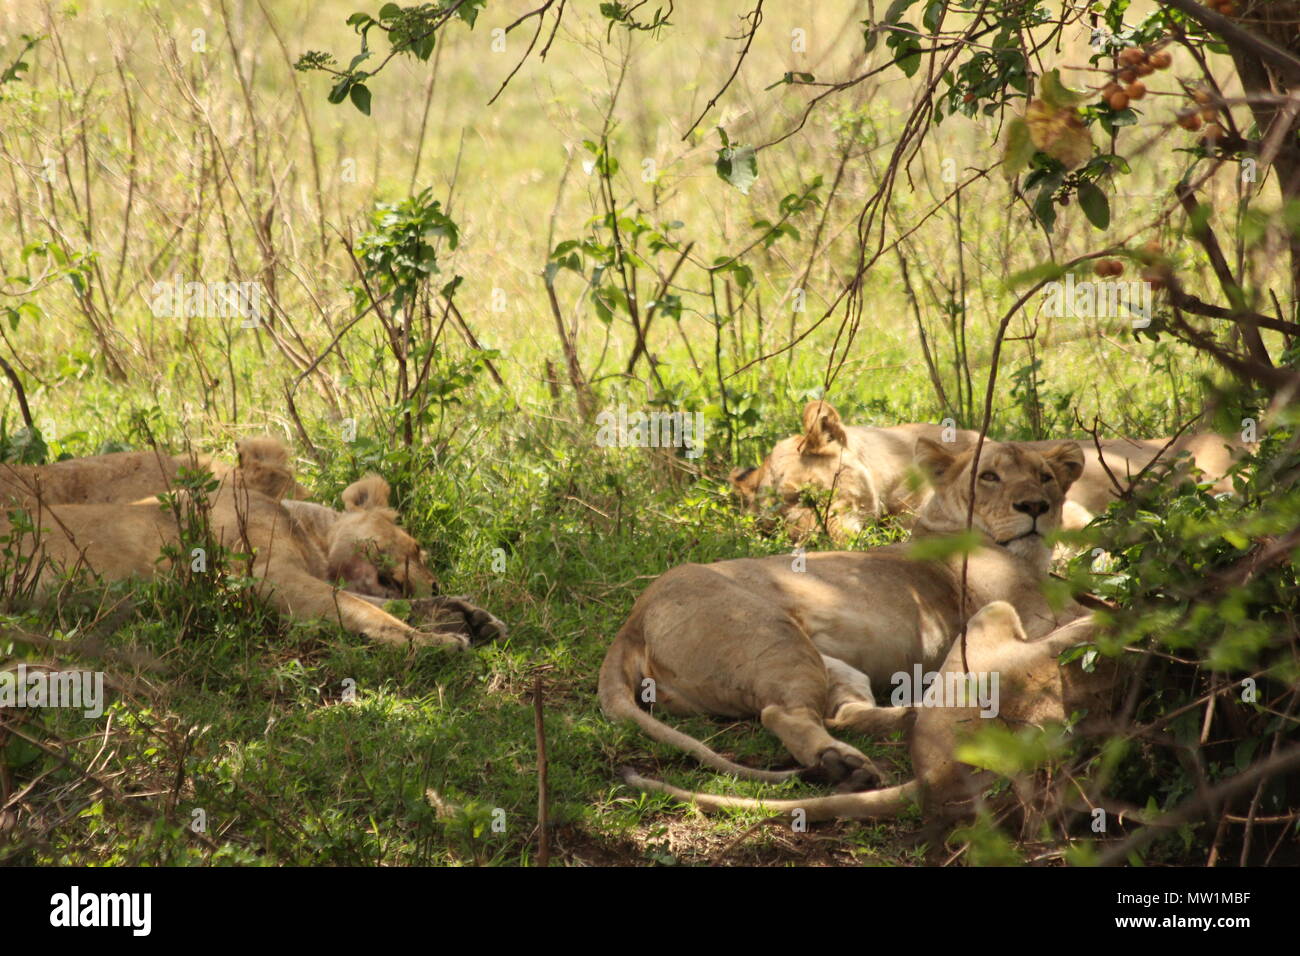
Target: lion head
(801, 469)
(1019, 492)
(367, 550)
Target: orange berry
(1131, 56)
(1127, 76)
(1161, 60)
(1118, 101)
(1136, 90)
(1190, 121)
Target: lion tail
(618, 699)
(866, 805)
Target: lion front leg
(297, 594)
(450, 613)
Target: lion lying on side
(803, 646)
(132, 475)
(1034, 689)
(362, 548)
(869, 471)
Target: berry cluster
(1134, 63)
(1156, 268)
(1204, 113)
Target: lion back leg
(730, 658)
(852, 705)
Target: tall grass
(155, 142)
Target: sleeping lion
(303, 553)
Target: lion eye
(989, 476)
(1047, 476)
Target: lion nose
(1033, 508)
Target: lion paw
(841, 762)
(850, 768)
(456, 614)
(866, 777)
(447, 639)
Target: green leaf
(1045, 207)
(1056, 94)
(738, 165)
(1047, 272)
(1018, 149)
(339, 92)
(909, 64)
(869, 36)
(361, 97)
(933, 15)
(946, 546)
(897, 9)
(1095, 204)
(1236, 539)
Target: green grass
(287, 772)
(240, 716)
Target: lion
(1034, 689)
(803, 644)
(132, 475)
(298, 559)
(869, 471)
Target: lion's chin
(1029, 546)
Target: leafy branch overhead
(407, 31)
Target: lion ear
(1066, 460)
(745, 482)
(821, 427)
(935, 460)
(369, 492)
(264, 466)
(996, 623)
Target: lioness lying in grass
(805, 644)
(1034, 690)
(361, 548)
(868, 471)
(133, 475)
